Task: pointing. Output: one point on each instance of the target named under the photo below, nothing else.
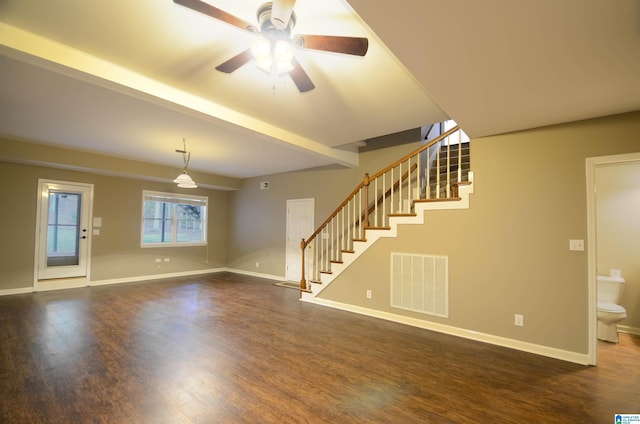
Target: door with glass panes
(63, 229)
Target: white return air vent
(420, 283)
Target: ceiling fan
(274, 51)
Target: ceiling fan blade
(235, 62)
(214, 12)
(300, 77)
(356, 46)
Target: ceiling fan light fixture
(261, 51)
(283, 55)
(273, 55)
(276, 21)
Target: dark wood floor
(227, 348)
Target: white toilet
(609, 292)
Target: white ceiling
(133, 78)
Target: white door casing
(63, 231)
(591, 165)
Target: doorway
(62, 234)
(299, 225)
(592, 236)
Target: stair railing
(394, 191)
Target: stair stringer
(374, 234)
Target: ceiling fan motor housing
(267, 24)
(282, 12)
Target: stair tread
(441, 199)
(378, 228)
(401, 214)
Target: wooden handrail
(364, 182)
(415, 152)
(361, 220)
(367, 178)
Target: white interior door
(63, 230)
(299, 226)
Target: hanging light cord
(186, 156)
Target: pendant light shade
(184, 180)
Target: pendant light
(184, 180)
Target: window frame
(175, 199)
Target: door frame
(63, 282)
(311, 202)
(592, 242)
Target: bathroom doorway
(613, 205)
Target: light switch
(576, 245)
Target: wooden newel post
(303, 282)
(365, 182)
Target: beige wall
(508, 254)
(258, 222)
(116, 252)
(618, 230)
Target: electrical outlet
(369, 294)
(519, 320)
(257, 264)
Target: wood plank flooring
(227, 348)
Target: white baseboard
(21, 290)
(64, 284)
(182, 274)
(629, 330)
(155, 277)
(575, 357)
(257, 274)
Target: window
(173, 219)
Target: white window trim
(175, 198)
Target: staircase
(435, 176)
(447, 165)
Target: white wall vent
(420, 283)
